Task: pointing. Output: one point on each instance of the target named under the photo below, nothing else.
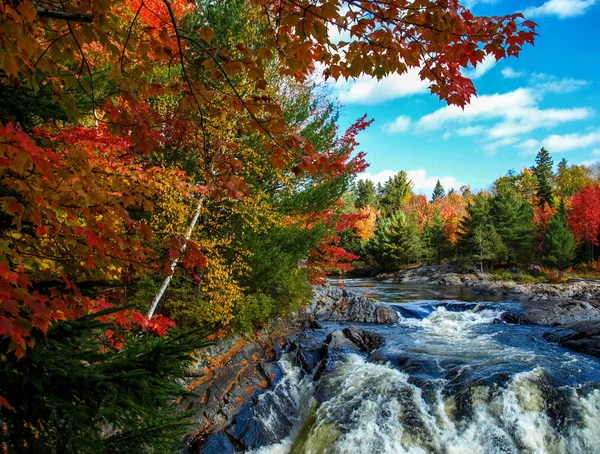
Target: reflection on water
(451, 380)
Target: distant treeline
(536, 216)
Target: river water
(449, 379)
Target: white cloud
(567, 85)
(486, 64)
(560, 8)
(423, 183)
(468, 131)
(484, 107)
(400, 124)
(589, 162)
(516, 113)
(558, 143)
(369, 90)
(509, 73)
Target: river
(449, 379)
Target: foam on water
(376, 408)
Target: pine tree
(513, 219)
(487, 245)
(561, 245)
(438, 191)
(395, 190)
(366, 193)
(543, 172)
(75, 392)
(434, 238)
(397, 242)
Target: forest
(534, 217)
(172, 172)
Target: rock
(551, 313)
(367, 341)
(338, 340)
(583, 336)
(535, 270)
(353, 338)
(385, 315)
(332, 303)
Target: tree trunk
(167, 280)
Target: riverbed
(450, 378)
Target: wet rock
(338, 340)
(367, 341)
(385, 315)
(357, 339)
(583, 336)
(332, 303)
(552, 313)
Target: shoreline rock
(336, 304)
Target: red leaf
(4, 403)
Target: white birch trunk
(167, 280)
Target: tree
(513, 219)
(396, 242)
(486, 245)
(366, 194)
(560, 243)
(395, 191)
(434, 236)
(438, 191)
(545, 176)
(584, 218)
(125, 103)
(572, 179)
(72, 393)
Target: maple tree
(584, 218)
(125, 117)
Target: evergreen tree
(77, 393)
(478, 213)
(561, 244)
(513, 219)
(479, 241)
(543, 172)
(486, 245)
(397, 242)
(366, 193)
(434, 238)
(438, 191)
(395, 191)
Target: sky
(549, 96)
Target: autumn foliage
(121, 118)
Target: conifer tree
(397, 242)
(395, 190)
(513, 219)
(434, 236)
(561, 244)
(75, 392)
(366, 193)
(543, 172)
(438, 191)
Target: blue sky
(549, 96)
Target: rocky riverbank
(572, 308)
(238, 399)
(572, 290)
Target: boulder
(367, 341)
(353, 338)
(336, 304)
(583, 336)
(552, 313)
